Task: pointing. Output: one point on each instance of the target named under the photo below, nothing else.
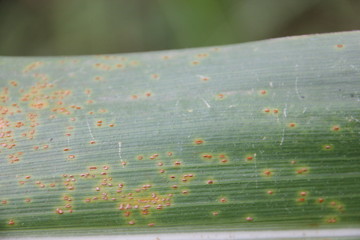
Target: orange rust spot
(336, 128)
(301, 199)
(27, 177)
(199, 141)
(98, 78)
(224, 160)
(148, 94)
(207, 156)
(177, 163)
(327, 147)
(134, 96)
(292, 124)
(249, 158)
(331, 220)
(27, 200)
(59, 211)
(151, 224)
(320, 200)
(71, 157)
(339, 45)
(4, 202)
(11, 222)
(303, 194)
(249, 219)
(169, 154)
(220, 96)
(210, 182)
(263, 92)
(131, 222)
(14, 83)
(215, 213)
(302, 170)
(267, 110)
(270, 192)
(275, 111)
(92, 142)
(66, 149)
(195, 62)
(111, 125)
(140, 157)
(267, 173)
(223, 200)
(155, 76)
(185, 192)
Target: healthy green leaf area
(263, 135)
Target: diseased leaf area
(257, 135)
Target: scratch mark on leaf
(282, 137)
(206, 103)
(88, 126)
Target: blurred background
(77, 27)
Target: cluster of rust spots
(33, 66)
(269, 110)
(67, 207)
(69, 182)
(146, 95)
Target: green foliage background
(54, 27)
